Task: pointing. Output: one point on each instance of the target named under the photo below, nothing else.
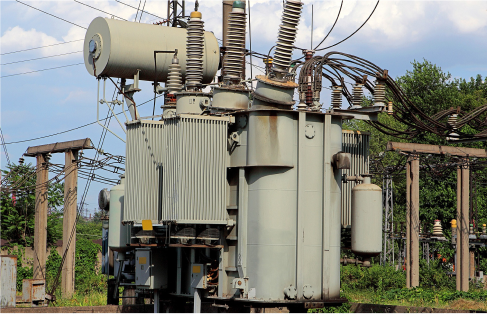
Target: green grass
(87, 299)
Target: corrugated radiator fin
(195, 170)
(357, 144)
(143, 170)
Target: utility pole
(70, 149)
(463, 258)
(412, 222)
(69, 221)
(40, 225)
(463, 207)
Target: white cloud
(16, 38)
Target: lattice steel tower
(175, 11)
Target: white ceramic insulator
(379, 93)
(287, 34)
(194, 53)
(174, 81)
(357, 95)
(336, 97)
(234, 55)
(452, 120)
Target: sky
(450, 34)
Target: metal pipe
(98, 113)
(301, 207)
(242, 223)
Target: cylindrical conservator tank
(120, 48)
(367, 219)
(118, 234)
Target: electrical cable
(64, 66)
(138, 8)
(51, 14)
(85, 192)
(333, 26)
(63, 54)
(66, 42)
(73, 129)
(355, 31)
(4, 147)
(142, 10)
(89, 6)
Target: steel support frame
(388, 205)
(175, 10)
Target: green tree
(432, 90)
(17, 206)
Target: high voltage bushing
(380, 93)
(287, 35)
(357, 96)
(194, 51)
(234, 56)
(336, 97)
(174, 81)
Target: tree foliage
(18, 207)
(433, 90)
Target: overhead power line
(371, 13)
(51, 14)
(142, 10)
(333, 26)
(64, 66)
(4, 146)
(62, 54)
(66, 42)
(89, 6)
(73, 129)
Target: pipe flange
(272, 101)
(283, 84)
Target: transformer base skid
(179, 304)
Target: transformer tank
(234, 197)
(279, 230)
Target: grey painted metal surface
(117, 42)
(230, 98)
(150, 269)
(191, 102)
(194, 171)
(8, 285)
(269, 137)
(273, 94)
(357, 144)
(33, 290)
(367, 219)
(332, 209)
(143, 170)
(279, 207)
(118, 234)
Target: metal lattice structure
(387, 255)
(175, 11)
